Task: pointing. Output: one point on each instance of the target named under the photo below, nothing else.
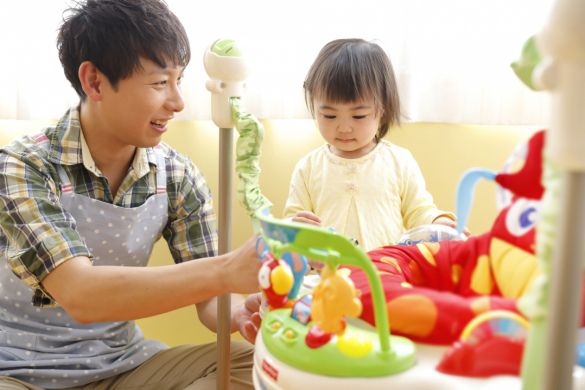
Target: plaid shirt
(37, 234)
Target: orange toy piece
(333, 299)
(433, 290)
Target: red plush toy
(433, 290)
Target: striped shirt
(37, 234)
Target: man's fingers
(251, 332)
(256, 320)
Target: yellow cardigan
(372, 198)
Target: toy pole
(566, 284)
(226, 141)
(562, 72)
(536, 304)
(225, 238)
(227, 68)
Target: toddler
(358, 183)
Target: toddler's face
(349, 128)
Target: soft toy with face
(433, 290)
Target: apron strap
(161, 170)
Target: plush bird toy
(433, 290)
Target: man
(83, 203)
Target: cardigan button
(351, 185)
(351, 168)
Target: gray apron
(45, 346)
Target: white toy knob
(227, 69)
(562, 72)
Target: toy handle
(264, 249)
(465, 194)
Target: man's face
(137, 113)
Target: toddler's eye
(359, 117)
(329, 116)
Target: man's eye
(161, 83)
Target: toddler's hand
(312, 219)
(307, 217)
(314, 264)
(449, 222)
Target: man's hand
(307, 217)
(247, 318)
(241, 272)
(449, 222)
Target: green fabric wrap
(248, 151)
(535, 303)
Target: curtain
(451, 57)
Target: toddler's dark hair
(350, 70)
(114, 34)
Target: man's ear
(91, 80)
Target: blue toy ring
(262, 255)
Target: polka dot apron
(45, 346)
